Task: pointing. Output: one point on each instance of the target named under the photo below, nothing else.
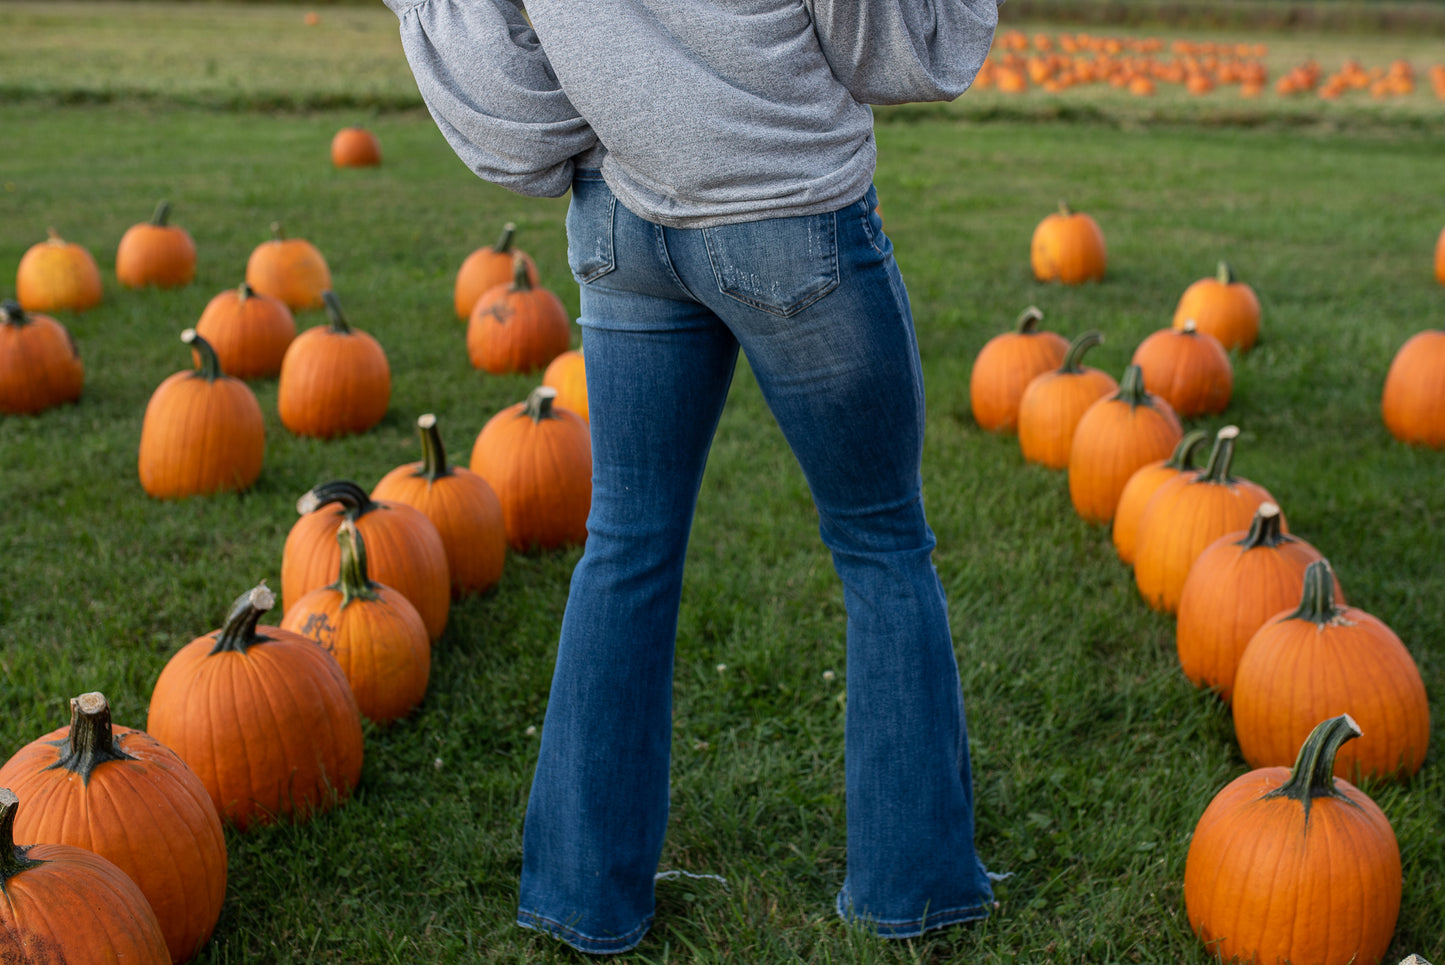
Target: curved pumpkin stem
(355, 501)
(162, 214)
(521, 280)
(1266, 531)
(210, 367)
(1076, 351)
(92, 740)
(433, 453)
(1182, 458)
(1313, 774)
(239, 630)
(1029, 320)
(504, 243)
(1131, 389)
(278, 233)
(244, 291)
(353, 581)
(1317, 600)
(339, 324)
(12, 314)
(12, 859)
(1220, 458)
(539, 404)
(1064, 209)
(1225, 274)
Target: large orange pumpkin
(291, 269)
(57, 275)
(1295, 865)
(486, 268)
(461, 505)
(1223, 307)
(335, 379)
(1116, 436)
(1053, 404)
(264, 717)
(518, 327)
(1188, 368)
(355, 147)
(64, 904)
(567, 373)
(1413, 402)
(1005, 366)
(39, 364)
(156, 253)
(1141, 486)
(1068, 247)
(126, 796)
(538, 459)
(249, 331)
(1325, 658)
(203, 431)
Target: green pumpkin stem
(1221, 457)
(1317, 599)
(1313, 773)
(521, 277)
(1225, 273)
(433, 453)
(1182, 458)
(245, 291)
(539, 403)
(1266, 530)
(239, 630)
(353, 580)
(278, 233)
(1064, 209)
(92, 739)
(162, 214)
(1131, 389)
(355, 501)
(1077, 348)
(12, 859)
(339, 324)
(504, 243)
(1029, 319)
(13, 314)
(210, 367)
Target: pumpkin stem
(355, 501)
(1131, 388)
(433, 453)
(353, 581)
(339, 324)
(245, 291)
(239, 630)
(539, 403)
(521, 280)
(1225, 274)
(92, 739)
(162, 214)
(1313, 773)
(504, 243)
(1029, 319)
(1076, 351)
(12, 858)
(1221, 457)
(1317, 599)
(53, 237)
(1265, 530)
(210, 367)
(1190, 327)
(13, 314)
(277, 232)
(1064, 209)
(1182, 459)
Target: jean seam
(756, 305)
(913, 927)
(575, 938)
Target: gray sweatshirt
(697, 112)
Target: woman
(720, 155)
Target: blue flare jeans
(819, 308)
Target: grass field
(1093, 756)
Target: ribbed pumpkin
(1116, 436)
(461, 505)
(64, 904)
(1068, 247)
(57, 275)
(405, 550)
(1141, 486)
(1326, 658)
(486, 268)
(1239, 582)
(538, 459)
(567, 373)
(1413, 403)
(1295, 865)
(263, 716)
(1221, 306)
(335, 379)
(1188, 513)
(126, 796)
(249, 331)
(202, 432)
(291, 269)
(1053, 404)
(355, 147)
(1005, 366)
(156, 252)
(1188, 368)
(372, 630)
(518, 327)
(39, 364)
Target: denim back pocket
(779, 265)
(590, 250)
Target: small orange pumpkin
(1053, 403)
(249, 331)
(39, 364)
(517, 327)
(156, 253)
(1221, 306)
(1068, 247)
(291, 269)
(1116, 436)
(334, 380)
(1413, 402)
(57, 275)
(1440, 252)
(355, 147)
(1141, 486)
(567, 373)
(488, 267)
(1188, 368)
(1005, 366)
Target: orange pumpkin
(126, 796)
(1006, 364)
(518, 327)
(67, 904)
(1440, 251)
(488, 267)
(460, 504)
(355, 147)
(374, 633)
(1141, 486)
(1068, 247)
(1413, 402)
(406, 551)
(263, 716)
(249, 331)
(1295, 865)
(567, 373)
(335, 379)
(1053, 403)
(538, 459)
(39, 364)
(1188, 368)
(1240, 581)
(1325, 657)
(1116, 436)
(203, 431)
(291, 269)
(56, 275)
(1221, 306)
(156, 253)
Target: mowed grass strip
(1093, 757)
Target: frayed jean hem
(587, 944)
(910, 928)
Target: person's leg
(658, 371)
(822, 315)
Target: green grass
(1093, 756)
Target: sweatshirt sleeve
(901, 51)
(489, 87)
